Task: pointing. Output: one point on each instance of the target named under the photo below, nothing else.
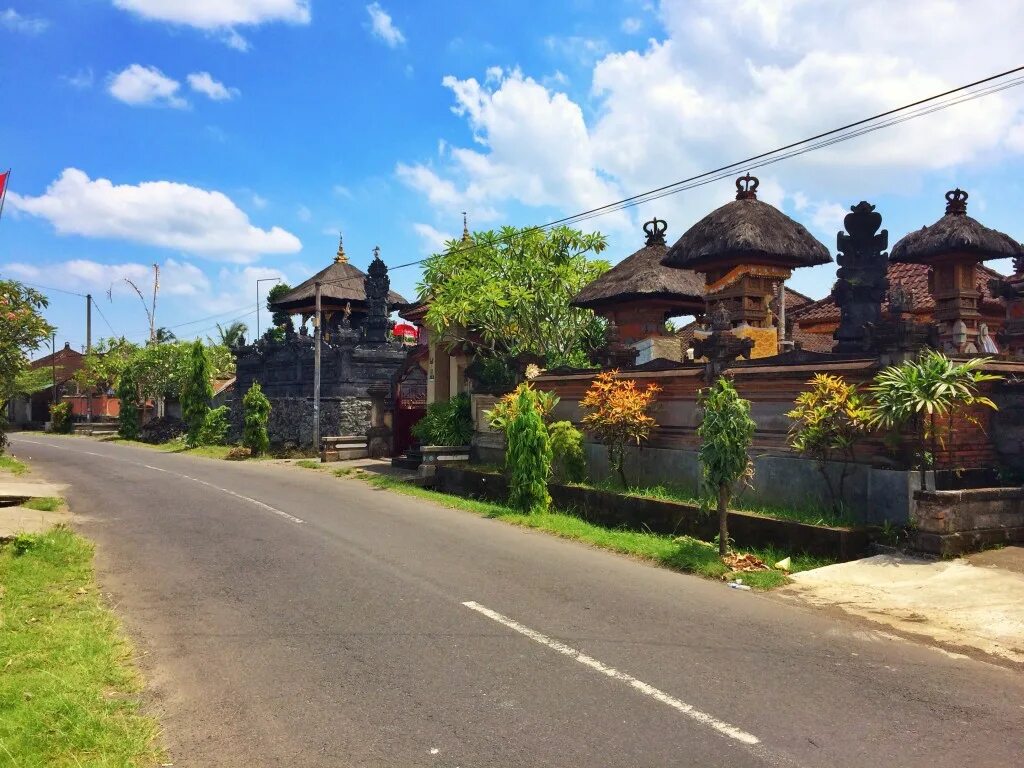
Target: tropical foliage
(215, 427)
(501, 416)
(196, 391)
(726, 432)
(231, 335)
(829, 419)
(278, 319)
(568, 462)
(60, 417)
(509, 292)
(256, 409)
(22, 330)
(129, 419)
(447, 422)
(528, 456)
(925, 394)
(619, 415)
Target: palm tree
(164, 335)
(232, 335)
(920, 392)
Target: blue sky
(228, 140)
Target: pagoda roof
(955, 232)
(749, 231)
(642, 275)
(340, 283)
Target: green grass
(309, 464)
(68, 694)
(178, 446)
(44, 504)
(12, 465)
(681, 553)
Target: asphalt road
(290, 618)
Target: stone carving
(377, 285)
(614, 353)
(898, 337)
(861, 281)
(721, 347)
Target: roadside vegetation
(12, 465)
(68, 693)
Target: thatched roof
(341, 283)
(747, 231)
(642, 276)
(955, 232)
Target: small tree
(60, 417)
(446, 422)
(215, 427)
(529, 456)
(620, 415)
(504, 412)
(278, 319)
(726, 432)
(256, 407)
(22, 329)
(828, 421)
(196, 391)
(128, 422)
(920, 392)
(568, 463)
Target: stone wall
(950, 523)
(291, 418)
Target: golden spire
(340, 257)
(466, 237)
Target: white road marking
(648, 690)
(107, 456)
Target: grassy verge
(68, 695)
(44, 504)
(681, 553)
(12, 465)
(177, 446)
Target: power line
(51, 288)
(112, 331)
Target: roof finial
(466, 237)
(956, 202)
(340, 257)
(746, 187)
(376, 251)
(655, 231)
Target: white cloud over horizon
(160, 213)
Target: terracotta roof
(642, 276)
(956, 231)
(747, 230)
(911, 276)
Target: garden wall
(291, 418)
(666, 517)
(950, 523)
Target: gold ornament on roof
(340, 257)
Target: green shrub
(215, 427)
(529, 456)
(128, 395)
(196, 393)
(446, 423)
(568, 464)
(60, 417)
(257, 415)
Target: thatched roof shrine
(641, 276)
(955, 233)
(746, 231)
(341, 283)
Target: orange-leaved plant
(619, 415)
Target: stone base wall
(950, 523)
(291, 419)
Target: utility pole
(53, 367)
(318, 335)
(88, 349)
(156, 289)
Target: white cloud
(631, 25)
(82, 79)
(382, 26)
(440, 192)
(342, 191)
(161, 213)
(138, 85)
(29, 25)
(303, 213)
(431, 239)
(259, 201)
(203, 82)
(220, 16)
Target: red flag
(3, 188)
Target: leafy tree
(22, 330)
(726, 432)
(196, 391)
(446, 422)
(568, 463)
(103, 364)
(279, 319)
(828, 421)
(509, 291)
(619, 415)
(164, 335)
(231, 335)
(504, 412)
(60, 417)
(921, 393)
(256, 408)
(129, 420)
(529, 456)
(222, 362)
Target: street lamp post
(262, 280)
